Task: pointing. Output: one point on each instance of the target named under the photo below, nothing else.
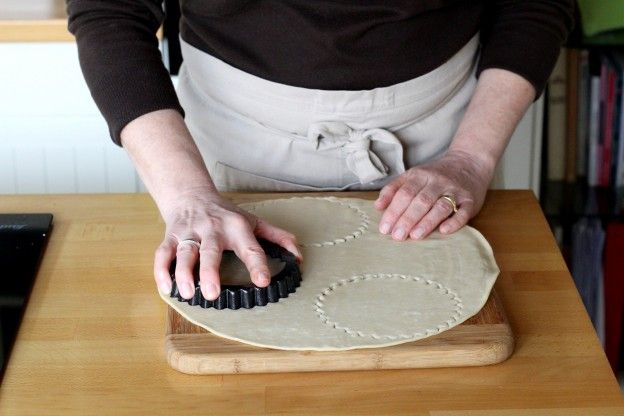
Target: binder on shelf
(557, 119)
(583, 110)
(593, 159)
(586, 267)
(608, 75)
(571, 119)
(614, 291)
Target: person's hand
(200, 223)
(413, 202)
(199, 226)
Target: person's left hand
(413, 202)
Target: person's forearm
(166, 156)
(449, 191)
(120, 60)
(500, 100)
(200, 223)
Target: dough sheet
(360, 288)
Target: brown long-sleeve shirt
(321, 44)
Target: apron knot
(356, 145)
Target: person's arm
(120, 59)
(174, 172)
(520, 43)
(412, 203)
(122, 65)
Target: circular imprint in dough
(388, 306)
(317, 222)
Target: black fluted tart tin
(248, 296)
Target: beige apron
(258, 135)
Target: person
(417, 99)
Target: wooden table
(92, 338)
(35, 21)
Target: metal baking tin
(248, 296)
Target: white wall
(520, 166)
(52, 137)
(54, 140)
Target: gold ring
(189, 241)
(451, 200)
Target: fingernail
(189, 290)
(210, 290)
(384, 228)
(418, 233)
(444, 229)
(297, 253)
(263, 278)
(165, 286)
(398, 234)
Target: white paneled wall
(520, 166)
(52, 137)
(54, 140)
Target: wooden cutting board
(484, 339)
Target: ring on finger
(451, 200)
(189, 241)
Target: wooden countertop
(92, 337)
(36, 21)
(33, 21)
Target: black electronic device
(23, 239)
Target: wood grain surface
(484, 339)
(92, 343)
(36, 21)
(33, 21)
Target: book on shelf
(614, 292)
(557, 86)
(615, 124)
(608, 79)
(583, 111)
(618, 151)
(586, 266)
(571, 120)
(594, 132)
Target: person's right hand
(173, 170)
(216, 224)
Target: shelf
(614, 38)
(564, 200)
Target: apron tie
(356, 145)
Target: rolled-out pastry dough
(360, 288)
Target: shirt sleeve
(120, 59)
(525, 37)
